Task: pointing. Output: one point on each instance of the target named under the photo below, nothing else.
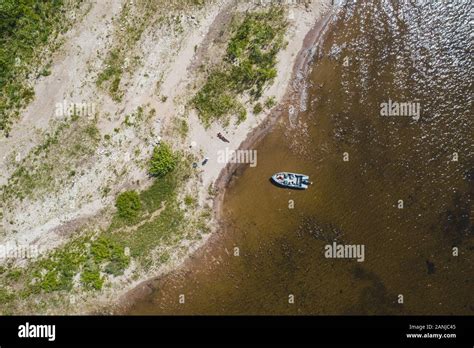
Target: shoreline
(299, 74)
(302, 64)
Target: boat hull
(291, 180)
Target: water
(415, 52)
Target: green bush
(128, 204)
(189, 200)
(257, 108)
(270, 102)
(101, 249)
(162, 161)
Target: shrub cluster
(248, 66)
(163, 160)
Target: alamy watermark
(395, 108)
(15, 251)
(83, 109)
(347, 251)
(237, 156)
(28, 330)
(281, 2)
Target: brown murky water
(416, 52)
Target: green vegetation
(93, 259)
(46, 71)
(143, 221)
(257, 108)
(165, 227)
(134, 18)
(189, 200)
(92, 131)
(216, 99)
(5, 296)
(211, 190)
(14, 274)
(161, 191)
(91, 278)
(84, 255)
(270, 102)
(25, 28)
(131, 23)
(162, 161)
(49, 160)
(182, 127)
(158, 231)
(128, 205)
(253, 48)
(248, 66)
(110, 77)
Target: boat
(291, 180)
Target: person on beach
(221, 137)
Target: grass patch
(249, 65)
(182, 127)
(190, 200)
(14, 274)
(159, 192)
(165, 227)
(217, 99)
(91, 278)
(133, 20)
(26, 27)
(156, 232)
(84, 256)
(6, 296)
(109, 79)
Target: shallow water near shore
(400, 186)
